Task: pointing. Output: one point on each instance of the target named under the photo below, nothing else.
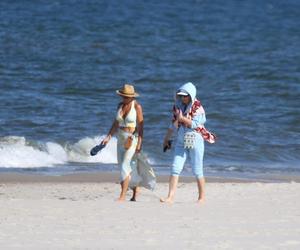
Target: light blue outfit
(180, 153)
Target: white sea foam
(80, 151)
(17, 152)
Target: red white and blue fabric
(196, 109)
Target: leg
(135, 193)
(201, 189)
(124, 160)
(196, 155)
(124, 187)
(177, 166)
(135, 179)
(172, 188)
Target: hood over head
(190, 89)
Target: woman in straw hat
(129, 123)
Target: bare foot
(201, 201)
(121, 199)
(135, 193)
(166, 200)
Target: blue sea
(62, 61)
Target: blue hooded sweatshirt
(200, 119)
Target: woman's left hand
(138, 149)
(138, 146)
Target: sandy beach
(81, 212)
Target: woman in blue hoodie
(188, 121)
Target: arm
(168, 137)
(198, 120)
(173, 126)
(193, 123)
(112, 130)
(140, 126)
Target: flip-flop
(96, 149)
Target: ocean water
(61, 62)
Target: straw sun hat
(127, 91)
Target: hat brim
(127, 95)
(182, 93)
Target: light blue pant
(195, 155)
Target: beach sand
(80, 212)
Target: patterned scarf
(196, 109)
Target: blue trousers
(195, 155)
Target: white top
(130, 120)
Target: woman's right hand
(106, 140)
(178, 114)
(166, 143)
